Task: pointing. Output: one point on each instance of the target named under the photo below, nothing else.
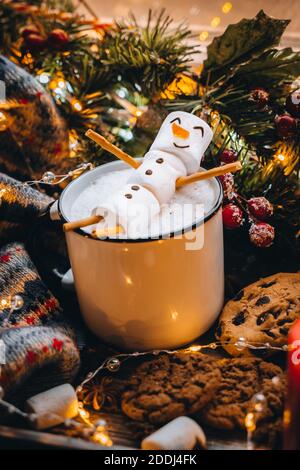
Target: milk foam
(180, 213)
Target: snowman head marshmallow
(186, 136)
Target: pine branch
(148, 58)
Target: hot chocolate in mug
(147, 293)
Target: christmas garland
(122, 78)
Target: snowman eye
(176, 119)
(200, 128)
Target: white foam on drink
(171, 219)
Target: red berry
(260, 97)
(232, 216)
(262, 234)
(228, 156)
(35, 42)
(227, 183)
(58, 38)
(29, 29)
(260, 207)
(286, 125)
(293, 103)
(21, 7)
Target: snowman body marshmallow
(185, 136)
(159, 173)
(132, 207)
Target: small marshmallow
(182, 433)
(53, 407)
(133, 207)
(185, 136)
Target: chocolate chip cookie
(242, 379)
(261, 313)
(170, 386)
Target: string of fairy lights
(215, 21)
(97, 430)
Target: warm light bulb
(128, 280)
(250, 422)
(3, 122)
(84, 415)
(215, 21)
(4, 303)
(102, 438)
(281, 157)
(195, 348)
(76, 105)
(73, 143)
(203, 36)
(61, 83)
(226, 7)
(94, 48)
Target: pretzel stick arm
(111, 148)
(93, 219)
(203, 175)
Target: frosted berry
(232, 216)
(35, 41)
(228, 156)
(286, 125)
(293, 103)
(260, 207)
(227, 183)
(262, 234)
(260, 97)
(58, 38)
(29, 29)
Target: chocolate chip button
(160, 160)
(129, 196)
(135, 188)
(148, 172)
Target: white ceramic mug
(146, 294)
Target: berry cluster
(36, 40)
(287, 124)
(237, 209)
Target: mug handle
(54, 212)
(67, 281)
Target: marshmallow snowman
(132, 207)
(176, 151)
(157, 175)
(184, 136)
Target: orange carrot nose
(179, 131)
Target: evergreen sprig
(148, 58)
